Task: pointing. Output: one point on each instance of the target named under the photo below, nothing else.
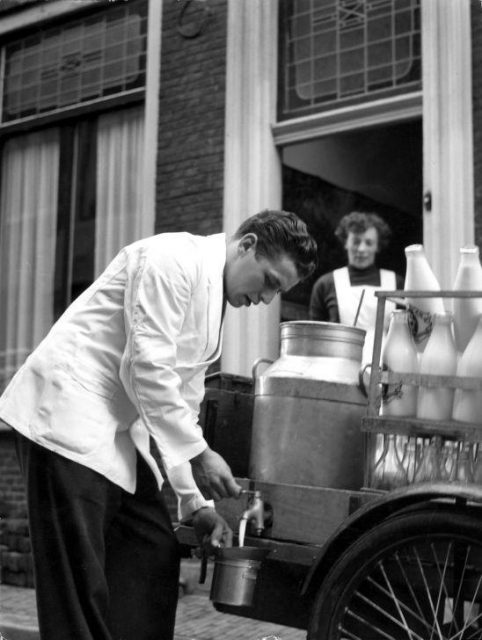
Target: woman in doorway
(339, 295)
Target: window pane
(339, 50)
(28, 205)
(109, 45)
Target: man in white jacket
(124, 366)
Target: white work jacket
(127, 360)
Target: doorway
(378, 170)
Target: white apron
(348, 298)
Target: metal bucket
(235, 573)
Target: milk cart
(356, 563)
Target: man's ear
(247, 242)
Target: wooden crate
(226, 416)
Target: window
(338, 52)
(71, 197)
(91, 58)
(71, 183)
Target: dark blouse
(323, 303)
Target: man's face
(362, 248)
(251, 279)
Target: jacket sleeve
(189, 498)
(157, 297)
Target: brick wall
(12, 492)
(477, 114)
(191, 123)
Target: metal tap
(255, 511)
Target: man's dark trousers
(106, 562)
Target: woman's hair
(359, 222)
(282, 232)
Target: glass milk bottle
(420, 277)
(467, 310)
(467, 405)
(389, 472)
(448, 460)
(464, 471)
(478, 463)
(399, 355)
(429, 467)
(439, 358)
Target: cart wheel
(416, 576)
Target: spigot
(255, 511)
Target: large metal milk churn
(308, 408)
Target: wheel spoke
(469, 612)
(429, 595)
(406, 628)
(369, 624)
(384, 614)
(477, 633)
(462, 634)
(348, 634)
(443, 586)
(460, 579)
(420, 618)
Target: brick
(30, 580)
(15, 579)
(16, 562)
(17, 526)
(24, 545)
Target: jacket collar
(216, 257)
(215, 251)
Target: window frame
(61, 14)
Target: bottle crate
(460, 439)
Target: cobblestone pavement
(197, 619)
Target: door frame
(253, 140)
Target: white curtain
(28, 219)
(120, 146)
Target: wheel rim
(418, 589)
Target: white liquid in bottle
(439, 358)
(467, 405)
(420, 277)
(399, 355)
(467, 310)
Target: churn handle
(254, 370)
(361, 379)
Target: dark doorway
(377, 170)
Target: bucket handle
(204, 566)
(254, 370)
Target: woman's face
(362, 248)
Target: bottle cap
(414, 248)
(469, 248)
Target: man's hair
(359, 222)
(282, 232)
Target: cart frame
(313, 528)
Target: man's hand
(213, 476)
(212, 531)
